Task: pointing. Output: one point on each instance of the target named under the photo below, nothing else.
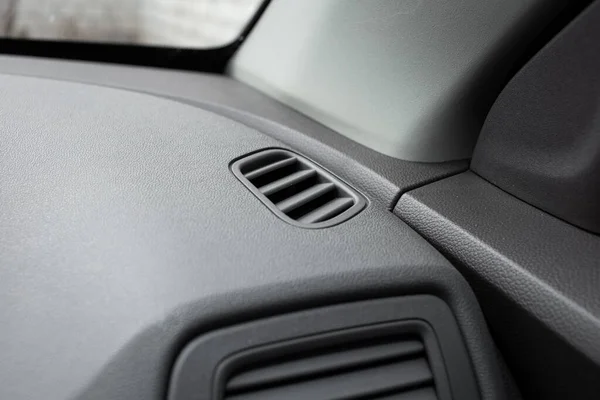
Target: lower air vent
(388, 369)
(405, 348)
(297, 190)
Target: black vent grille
(297, 190)
(385, 370)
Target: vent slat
(418, 394)
(270, 168)
(297, 190)
(327, 211)
(356, 384)
(287, 181)
(324, 364)
(304, 197)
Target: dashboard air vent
(297, 190)
(383, 370)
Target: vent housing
(402, 348)
(392, 368)
(297, 190)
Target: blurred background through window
(172, 23)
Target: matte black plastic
(337, 339)
(537, 279)
(297, 190)
(541, 140)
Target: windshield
(173, 23)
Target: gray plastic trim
(125, 235)
(541, 139)
(537, 278)
(358, 201)
(205, 363)
(382, 178)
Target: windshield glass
(173, 23)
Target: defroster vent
(384, 370)
(297, 190)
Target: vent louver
(297, 190)
(383, 371)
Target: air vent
(385, 370)
(297, 190)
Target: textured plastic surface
(124, 234)
(541, 140)
(297, 190)
(411, 79)
(536, 276)
(345, 367)
(316, 353)
(382, 178)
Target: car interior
(351, 199)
